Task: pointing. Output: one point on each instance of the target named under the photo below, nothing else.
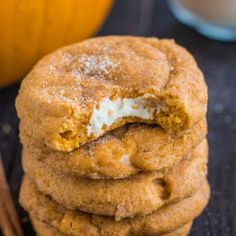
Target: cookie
(120, 153)
(137, 196)
(43, 229)
(164, 220)
(81, 91)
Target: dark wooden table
(218, 62)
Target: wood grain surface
(218, 62)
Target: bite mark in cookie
(109, 111)
(80, 92)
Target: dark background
(218, 62)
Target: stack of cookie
(113, 132)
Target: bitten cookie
(80, 92)
(164, 220)
(121, 153)
(137, 196)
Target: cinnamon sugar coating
(121, 153)
(58, 98)
(164, 220)
(139, 195)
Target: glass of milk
(213, 18)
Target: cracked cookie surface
(43, 229)
(121, 153)
(163, 220)
(139, 195)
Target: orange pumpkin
(30, 29)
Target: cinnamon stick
(5, 225)
(8, 208)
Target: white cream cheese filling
(109, 111)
